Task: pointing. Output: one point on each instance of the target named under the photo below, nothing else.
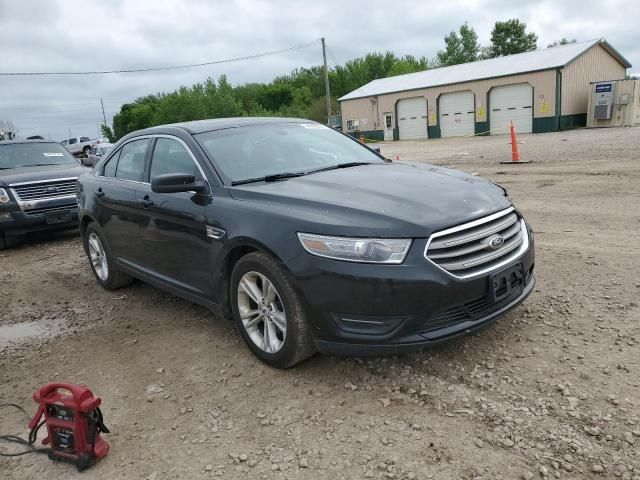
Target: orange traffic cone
(515, 154)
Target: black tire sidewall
(292, 307)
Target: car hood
(383, 199)
(40, 174)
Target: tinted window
(169, 156)
(259, 150)
(72, 141)
(131, 162)
(85, 139)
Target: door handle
(145, 202)
(99, 193)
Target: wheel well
(84, 223)
(225, 276)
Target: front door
(174, 235)
(388, 127)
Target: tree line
(301, 92)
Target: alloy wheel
(262, 312)
(98, 257)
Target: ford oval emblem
(52, 190)
(496, 241)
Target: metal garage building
(540, 91)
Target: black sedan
(310, 240)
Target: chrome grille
(480, 246)
(48, 210)
(49, 189)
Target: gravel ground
(552, 391)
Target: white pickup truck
(79, 145)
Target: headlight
(4, 196)
(369, 250)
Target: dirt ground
(553, 390)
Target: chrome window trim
(99, 166)
(523, 248)
(37, 182)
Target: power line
(172, 67)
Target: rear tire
(107, 274)
(86, 151)
(269, 312)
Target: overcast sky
(73, 35)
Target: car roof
(17, 141)
(201, 126)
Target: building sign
(432, 119)
(544, 107)
(603, 87)
(481, 112)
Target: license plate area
(507, 282)
(58, 217)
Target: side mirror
(177, 182)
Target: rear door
(174, 233)
(117, 209)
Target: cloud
(73, 35)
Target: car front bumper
(16, 222)
(360, 309)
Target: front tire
(269, 312)
(107, 274)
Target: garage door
(412, 118)
(511, 103)
(457, 114)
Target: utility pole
(326, 82)
(104, 117)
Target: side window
(131, 162)
(64, 143)
(170, 156)
(109, 169)
(85, 139)
(72, 141)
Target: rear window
(16, 155)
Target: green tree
(562, 41)
(297, 94)
(106, 132)
(460, 47)
(510, 37)
(408, 64)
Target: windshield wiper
(269, 178)
(340, 165)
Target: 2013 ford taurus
(310, 240)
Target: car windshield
(16, 155)
(272, 149)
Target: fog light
(5, 216)
(366, 325)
